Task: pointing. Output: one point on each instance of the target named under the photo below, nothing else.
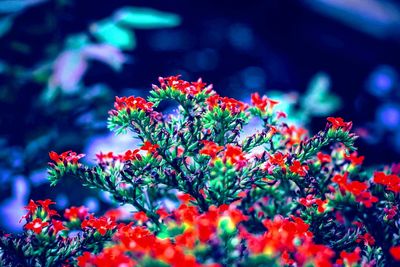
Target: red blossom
(356, 187)
(350, 258)
(162, 213)
(354, 159)
(324, 158)
(366, 198)
(102, 224)
(132, 103)
(187, 88)
(210, 148)
(262, 103)
(185, 198)
(308, 201)
(391, 181)
(390, 213)
(149, 147)
(67, 157)
(339, 123)
(36, 225)
(75, 213)
(298, 168)
(367, 239)
(225, 103)
(31, 207)
(58, 226)
(395, 252)
(140, 216)
(278, 159)
(235, 156)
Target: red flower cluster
(291, 240)
(42, 215)
(395, 252)
(349, 258)
(263, 103)
(310, 200)
(298, 168)
(67, 157)
(132, 103)
(278, 159)
(187, 88)
(39, 208)
(150, 148)
(225, 103)
(176, 251)
(231, 154)
(110, 157)
(340, 123)
(391, 181)
(102, 225)
(36, 225)
(358, 189)
(76, 213)
(210, 149)
(235, 156)
(354, 159)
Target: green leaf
(109, 32)
(146, 18)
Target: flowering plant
(275, 197)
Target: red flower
(341, 180)
(350, 258)
(187, 88)
(324, 158)
(162, 213)
(66, 157)
(131, 155)
(36, 225)
(262, 103)
(367, 239)
(391, 181)
(149, 147)
(141, 216)
(278, 159)
(185, 198)
(102, 224)
(75, 213)
(354, 159)
(210, 149)
(307, 201)
(356, 187)
(298, 168)
(85, 259)
(390, 213)
(395, 252)
(366, 198)
(31, 207)
(235, 156)
(132, 103)
(225, 103)
(58, 226)
(339, 123)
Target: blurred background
(63, 61)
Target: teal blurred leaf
(105, 53)
(146, 18)
(69, 68)
(318, 100)
(5, 25)
(12, 6)
(109, 32)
